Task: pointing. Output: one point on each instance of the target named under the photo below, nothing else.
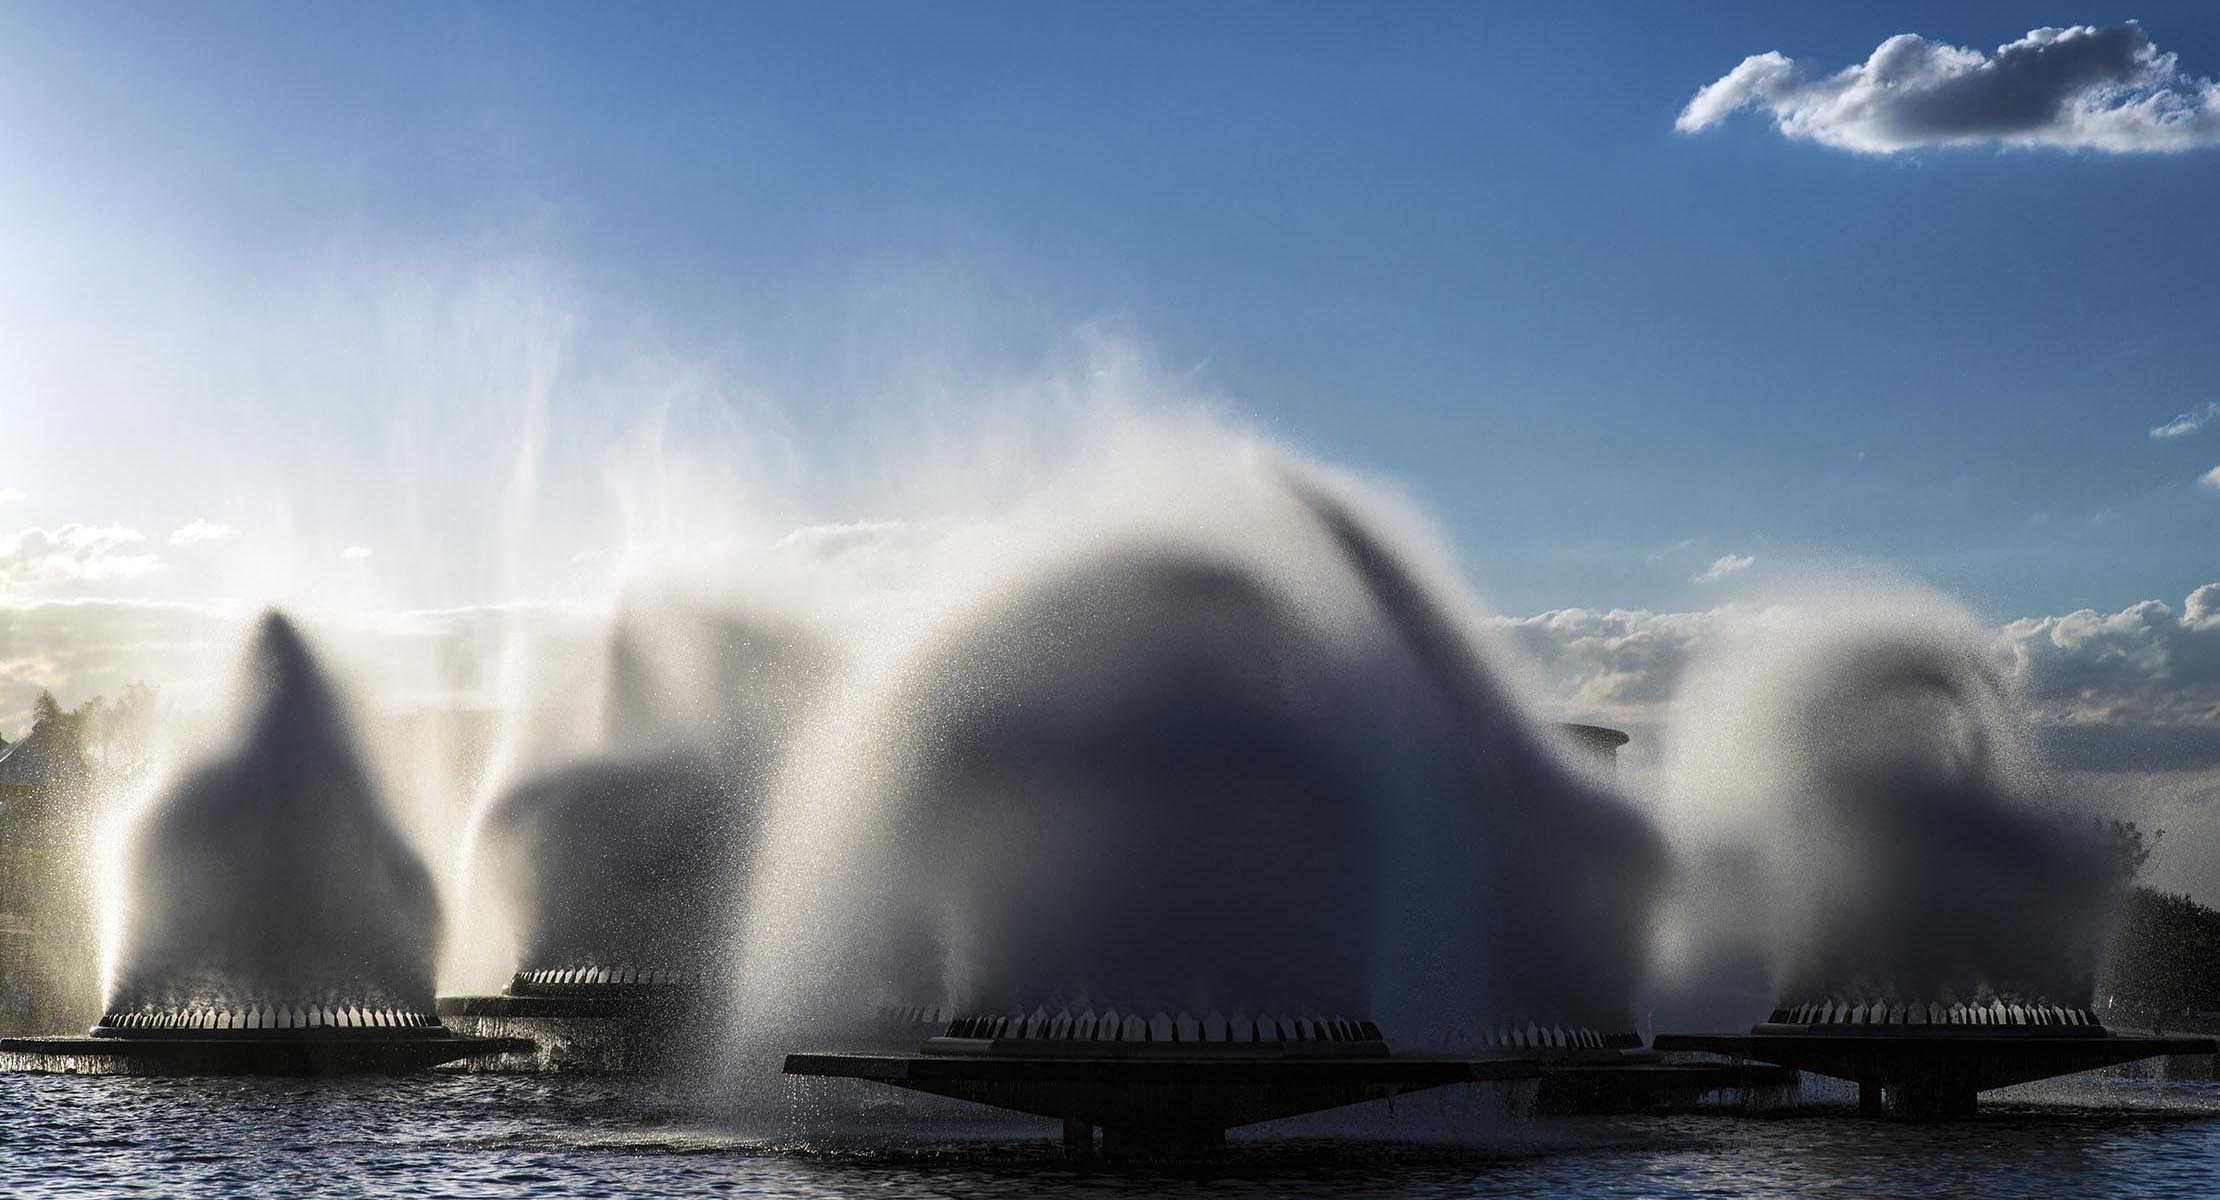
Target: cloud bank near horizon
(72, 553)
(2127, 701)
(2080, 88)
(2137, 687)
(2134, 689)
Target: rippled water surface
(463, 1135)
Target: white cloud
(2137, 690)
(2210, 479)
(2140, 686)
(73, 553)
(2189, 422)
(1616, 666)
(13, 496)
(355, 553)
(1723, 566)
(2082, 88)
(201, 529)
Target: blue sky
(1461, 246)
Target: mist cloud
(2080, 88)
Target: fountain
(269, 917)
(1216, 823)
(1594, 886)
(1939, 930)
(615, 868)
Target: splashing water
(1872, 759)
(627, 858)
(272, 873)
(1212, 745)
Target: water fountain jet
(1157, 787)
(1941, 931)
(272, 919)
(615, 868)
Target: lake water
(475, 1135)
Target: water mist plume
(1218, 749)
(272, 873)
(1572, 869)
(627, 857)
(1126, 791)
(1875, 760)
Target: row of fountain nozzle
(602, 977)
(1110, 1026)
(1996, 1012)
(305, 1017)
(1557, 1037)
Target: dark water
(549, 1136)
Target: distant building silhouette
(1598, 743)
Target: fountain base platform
(586, 1021)
(1162, 1101)
(1934, 1072)
(1648, 1083)
(252, 1053)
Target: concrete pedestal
(1935, 1072)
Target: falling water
(626, 855)
(1214, 745)
(1872, 759)
(271, 873)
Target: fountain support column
(1141, 1141)
(1931, 1099)
(1937, 1072)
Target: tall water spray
(1570, 870)
(1872, 757)
(627, 855)
(271, 873)
(1213, 746)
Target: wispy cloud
(74, 553)
(2189, 422)
(355, 553)
(13, 496)
(2082, 88)
(201, 529)
(1723, 566)
(2210, 479)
